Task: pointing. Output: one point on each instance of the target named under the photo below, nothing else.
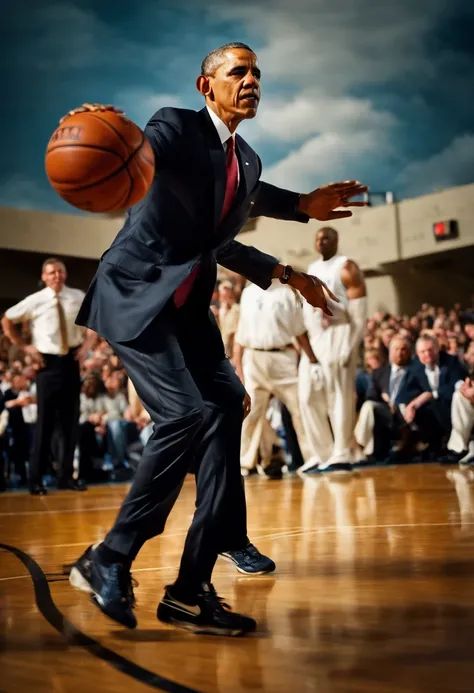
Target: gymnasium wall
(393, 243)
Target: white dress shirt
(269, 319)
(224, 134)
(432, 373)
(396, 377)
(40, 310)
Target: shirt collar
(52, 294)
(222, 129)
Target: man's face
(19, 383)
(469, 357)
(326, 243)
(387, 337)
(469, 330)
(54, 276)
(427, 353)
(235, 85)
(399, 352)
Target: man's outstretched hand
(321, 203)
(313, 289)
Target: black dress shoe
(208, 615)
(109, 584)
(38, 490)
(250, 561)
(72, 485)
(452, 457)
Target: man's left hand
(313, 289)
(321, 203)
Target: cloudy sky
(379, 90)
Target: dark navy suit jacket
(380, 384)
(451, 370)
(177, 225)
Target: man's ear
(203, 85)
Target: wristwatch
(287, 272)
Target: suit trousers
(267, 373)
(196, 405)
(375, 429)
(58, 387)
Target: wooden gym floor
(374, 592)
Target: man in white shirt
(57, 343)
(267, 362)
(328, 404)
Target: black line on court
(75, 637)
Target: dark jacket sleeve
(247, 261)
(163, 131)
(277, 203)
(373, 391)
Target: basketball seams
(112, 127)
(79, 188)
(123, 205)
(127, 161)
(75, 145)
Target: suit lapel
(217, 157)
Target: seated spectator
(137, 415)
(380, 422)
(91, 440)
(20, 430)
(436, 374)
(113, 421)
(372, 361)
(468, 359)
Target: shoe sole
(202, 630)
(246, 572)
(78, 581)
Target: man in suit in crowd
(436, 376)
(150, 299)
(380, 422)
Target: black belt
(283, 348)
(71, 351)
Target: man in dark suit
(150, 299)
(380, 423)
(435, 376)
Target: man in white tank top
(327, 398)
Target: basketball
(99, 161)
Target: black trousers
(195, 402)
(58, 387)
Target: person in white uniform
(327, 402)
(266, 361)
(58, 345)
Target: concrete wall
(73, 235)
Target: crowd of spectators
(113, 424)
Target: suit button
(252, 202)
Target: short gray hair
(213, 59)
(427, 338)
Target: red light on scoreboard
(444, 230)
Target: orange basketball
(99, 161)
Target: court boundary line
(75, 637)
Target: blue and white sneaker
(250, 561)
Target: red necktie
(232, 171)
